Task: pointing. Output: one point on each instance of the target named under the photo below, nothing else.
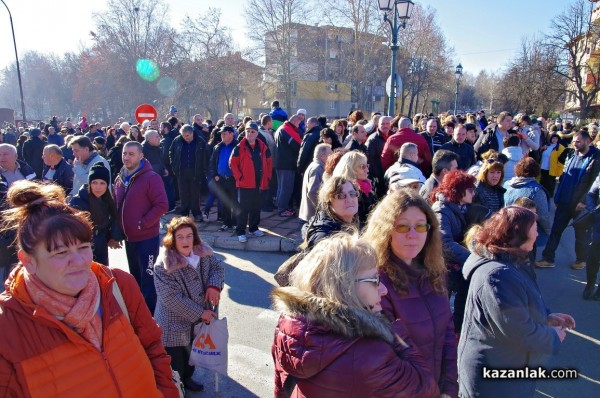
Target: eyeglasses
(364, 166)
(403, 228)
(374, 280)
(343, 195)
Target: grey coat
(180, 293)
(453, 227)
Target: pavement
(282, 234)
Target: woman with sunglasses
(336, 209)
(331, 340)
(405, 234)
(451, 202)
(353, 166)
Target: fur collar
(341, 319)
(172, 260)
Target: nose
(382, 290)
(412, 232)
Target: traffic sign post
(145, 112)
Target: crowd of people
(413, 229)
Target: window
(332, 105)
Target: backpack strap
(118, 296)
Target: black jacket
(486, 141)
(154, 155)
(320, 227)
(63, 175)
(165, 145)
(81, 201)
(375, 144)
(353, 145)
(32, 154)
(115, 160)
(465, 152)
(453, 225)
(307, 149)
(202, 157)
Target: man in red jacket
(141, 201)
(251, 166)
(403, 135)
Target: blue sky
(484, 33)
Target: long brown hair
(379, 234)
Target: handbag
(282, 276)
(175, 378)
(209, 349)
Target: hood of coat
(514, 153)
(172, 260)
(520, 182)
(332, 316)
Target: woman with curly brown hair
(406, 236)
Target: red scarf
(365, 186)
(79, 313)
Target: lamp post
(402, 9)
(17, 58)
(458, 74)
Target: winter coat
(287, 141)
(43, 357)
(202, 155)
(180, 291)
(165, 145)
(140, 203)
(586, 177)
(489, 196)
(32, 154)
(213, 163)
(310, 140)
(327, 349)
(556, 167)
(430, 184)
(82, 170)
(389, 154)
(242, 166)
(320, 227)
(63, 175)
(514, 154)
(530, 188)
(428, 319)
(505, 327)
(56, 139)
(435, 142)
(465, 152)
(592, 199)
(311, 182)
(115, 160)
(375, 143)
(453, 227)
(81, 201)
(279, 116)
(487, 140)
(154, 155)
(353, 145)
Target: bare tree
(571, 40)
(273, 28)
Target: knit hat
(99, 172)
(172, 110)
(301, 111)
(35, 132)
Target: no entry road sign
(145, 111)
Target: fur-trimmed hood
(172, 260)
(339, 318)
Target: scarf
(365, 186)
(79, 313)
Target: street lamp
(17, 58)
(458, 74)
(402, 10)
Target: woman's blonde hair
(347, 166)
(486, 167)
(330, 269)
(380, 228)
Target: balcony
(591, 80)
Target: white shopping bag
(209, 349)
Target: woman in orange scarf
(64, 333)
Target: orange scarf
(79, 313)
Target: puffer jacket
(514, 154)
(242, 166)
(428, 319)
(180, 291)
(42, 357)
(321, 226)
(140, 203)
(328, 349)
(505, 327)
(452, 228)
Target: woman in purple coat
(405, 234)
